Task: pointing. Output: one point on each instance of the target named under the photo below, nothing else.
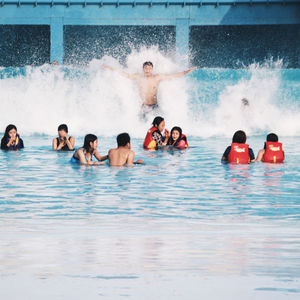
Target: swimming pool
(183, 226)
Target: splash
(95, 100)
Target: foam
(96, 100)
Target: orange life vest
(239, 154)
(273, 153)
(182, 138)
(149, 142)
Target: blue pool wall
(47, 28)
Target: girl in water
(177, 139)
(89, 149)
(239, 152)
(11, 139)
(154, 138)
(63, 142)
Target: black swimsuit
(65, 147)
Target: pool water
(182, 226)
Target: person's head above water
(63, 127)
(176, 133)
(245, 102)
(239, 137)
(90, 142)
(148, 68)
(159, 123)
(123, 140)
(62, 130)
(10, 131)
(272, 137)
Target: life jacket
(149, 142)
(182, 138)
(239, 154)
(273, 153)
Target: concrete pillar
(182, 38)
(57, 40)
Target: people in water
(154, 137)
(148, 83)
(272, 152)
(122, 155)
(177, 139)
(63, 142)
(11, 139)
(85, 154)
(239, 152)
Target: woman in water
(154, 138)
(11, 139)
(177, 139)
(238, 152)
(89, 149)
(63, 141)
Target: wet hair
(239, 137)
(63, 127)
(171, 141)
(147, 63)
(8, 129)
(157, 121)
(272, 137)
(89, 138)
(123, 139)
(245, 102)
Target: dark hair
(272, 137)
(239, 137)
(147, 63)
(171, 141)
(63, 127)
(8, 129)
(89, 138)
(123, 139)
(157, 121)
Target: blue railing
(149, 3)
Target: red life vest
(178, 144)
(239, 154)
(273, 153)
(149, 142)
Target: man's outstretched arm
(175, 75)
(131, 76)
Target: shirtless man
(148, 82)
(123, 155)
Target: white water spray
(96, 100)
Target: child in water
(272, 152)
(122, 155)
(11, 139)
(63, 142)
(154, 138)
(177, 139)
(238, 152)
(89, 149)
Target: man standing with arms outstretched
(148, 84)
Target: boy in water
(148, 83)
(123, 155)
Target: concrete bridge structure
(57, 14)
